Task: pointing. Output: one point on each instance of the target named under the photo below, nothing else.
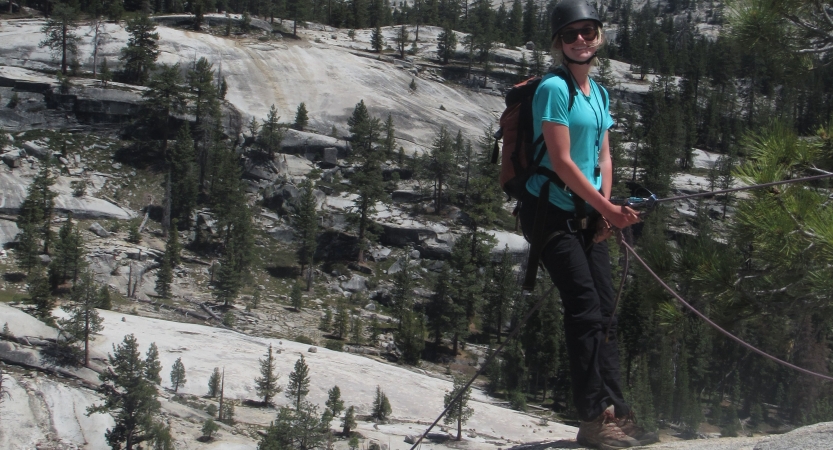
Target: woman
(575, 252)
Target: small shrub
(442, 108)
(14, 100)
(413, 84)
(208, 428)
(334, 345)
(301, 339)
(211, 410)
(351, 34)
(353, 443)
(79, 188)
(228, 319)
(517, 400)
(133, 234)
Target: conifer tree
(214, 383)
(437, 166)
(105, 75)
(326, 322)
(460, 411)
(164, 276)
(306, 224)
(153, 367)
(266, 385)
(349, 421)
(410, 337)
(301, 117)
(40, 294)
(334, 402)
(381, 406)
(296, 296)
(377, 41)
(209, 427)
(298, 386)
(59, 29)
(178, 375)
(38, 207)
(357, 327)
(27, 250)
(140, 53)
(401, 40)
(164, 97)
(128, 396)
(367, 179)
(68, 260)
(104, 300)
(499, 291)
(83, 320)
(342, 320)
(271, 133)
(446, 44)
(205, 106)
(389, 142)
(403, 288)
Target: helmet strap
(573, 61)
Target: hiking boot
(628, 426)
(603, 433)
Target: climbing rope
(716, 326)
(486, 363)
(623, 238)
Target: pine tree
(140, 53)
(367, 179)
(164, 97)
(334, 402)
(209, 427)
(437, 166)
(377, 41)
(164, 276)
(296, 297)
(381, 406)
(446, 44)
(38, 208)
(349, 421)
(326, 322)
(153, 367)
(214, 383)
(60, 33)
(499, 292)
(342, 320)
(356, 328)
(460, 411)
(27, 250)
(298, 386)
(401, 40)
(266, 385)
(104, 73)
(128, 396)
(301, 117)
(68, 260)
(205, 106)
(40, 294)
(306, 224)
(178, 375)
(83, 320)
(389, 142)
(271, 133)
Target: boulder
(357, 283)
(379, 254)
(396, 266)
(407, 196)
(414, 254)
(284, 198)
(283, 233)
(8, 231)
(302, 143)
(256, 171)
(329, 157)
(98, 230)
(13, 158)
(36, 150)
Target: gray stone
(98, 230)
(396, 267)
(329, 157)
(77, 159)
(283, 233)
(380, 254)
(36, 150)
(530, 45)
(313, 350)
(8, 231)
(357, 283)
(75, 171)
(414, 254)
(407, 196)
(63, 161)
(116, 166)
(13, 158)
(45, 259)
(813, 437)
(370, 306)
(259, 171)
(302, 143)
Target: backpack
(519, 160)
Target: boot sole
(601, 445)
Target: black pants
(581, 272)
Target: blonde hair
(558, 55)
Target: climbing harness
(646, 203)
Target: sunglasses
(587, 33)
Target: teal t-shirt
(588, 121)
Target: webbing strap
(537, 238)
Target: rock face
(813, 437)
(13, 192)
(8, 230)
(314, 146)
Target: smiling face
(585, 44)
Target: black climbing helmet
(569, 11)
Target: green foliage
(214, 383)
(60, 33)
(296, 297)
(266, 385)
(299, 428)
(301, 117)
(228, 319)
(164, 276)
(142, 49)
(306, 225)
(298, 386)
(446, 44)
(209, 427)
(381, 406)
(356, 329)
(68, 259)
(178, 376)
(83, 320)
(460, 410)
(437, 167)
(152, 365)
(271, 133)
(40, 295)
(349, 421)
(342, 320)
(326, 322)
(133, 234)
(128, 396)
(401, 40)
(334, 402)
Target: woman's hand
(620, 216)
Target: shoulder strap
(571, 87)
